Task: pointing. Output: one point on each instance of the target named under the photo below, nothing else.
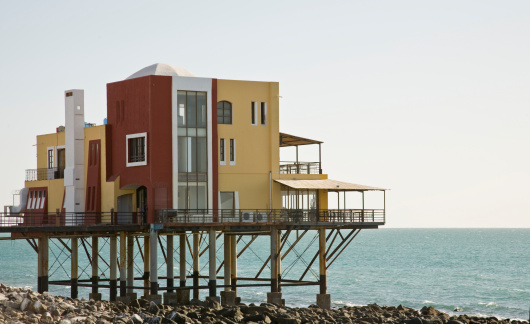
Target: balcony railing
(198, 216)
(44, 174)
(274, 216)
(292, 167)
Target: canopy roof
(291, 140)
(326, 184)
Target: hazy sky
(427, 98)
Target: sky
(427, 98)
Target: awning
(326, 184)
(291, 140)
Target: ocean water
(484, 272)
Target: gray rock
(37, 307)
(153, 308)
(136, 319)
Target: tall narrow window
(222, 157)
(254, 113)
(224, 112)
(50, 158)
(232, 151)
(263, 111)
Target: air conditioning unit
(247, 217)
(261, 217)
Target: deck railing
(44, 174)
(197, 216)
(293, 167)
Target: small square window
(136, 149)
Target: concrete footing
(274, 298)
(228, 298)
(94, 296)
(183, 296)
(124, 299)
(154, 298)
(170, 299)
(213, 299)
(132, 296)
(324, 301)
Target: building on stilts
(183, 166)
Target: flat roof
(326, 184)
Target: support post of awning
(319, 159)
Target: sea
(479, 272)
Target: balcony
(293, 167)
(44, 174)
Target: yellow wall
(45, 141)
(257, 146)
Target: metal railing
(197, 216)
(31, 219)
(292, 167)
(44, 174)
(274, 216)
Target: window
(224, 112)
(254, 113)
(136, 149)
(50, 158)
(232, 151)
(227, 203)
(263, 113)
(222, 157)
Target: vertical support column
(279, 260)
(42, 281)
(275, 296)
(130, 264)
(323, 299)
(227, 263)
(169, 262)
(153, 238)
(113, 269)
(74, 258)
(147, 265)
(182, 259)
(195, 265)
(233, 262)
(123, 263)
(95, 295)
(212, 282)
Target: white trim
(222, 151)
(236, 200)
(232, 162)
(130, 136)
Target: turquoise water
(483, 272)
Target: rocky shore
(25, 306)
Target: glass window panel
(191, 108)
(202, 195)
(192, 131)
(192, 196)
(182, 196)
(181, 113)
(182, 154)
(201, 132)
(192, 151)
(202, 154)
(201, 109)
(181, 131)
(227, 200)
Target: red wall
(136, 106)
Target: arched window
(224, 112)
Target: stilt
(169, 262)
(147, 266)
(95, 295)
(227, 263)
(274, 297)
(42, 283)
(183, 295)
(74, 258)
(153, 238)
(212, 282)
(323, 299)
(130, 266)
(195, 265)
(113, 268)
(233, 263)
(123, 264)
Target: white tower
(74, 172)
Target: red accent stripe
(215, 164)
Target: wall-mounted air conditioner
(247, 217)
(261, 217)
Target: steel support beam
(113, 267)
(169, 263)
(212, 262)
